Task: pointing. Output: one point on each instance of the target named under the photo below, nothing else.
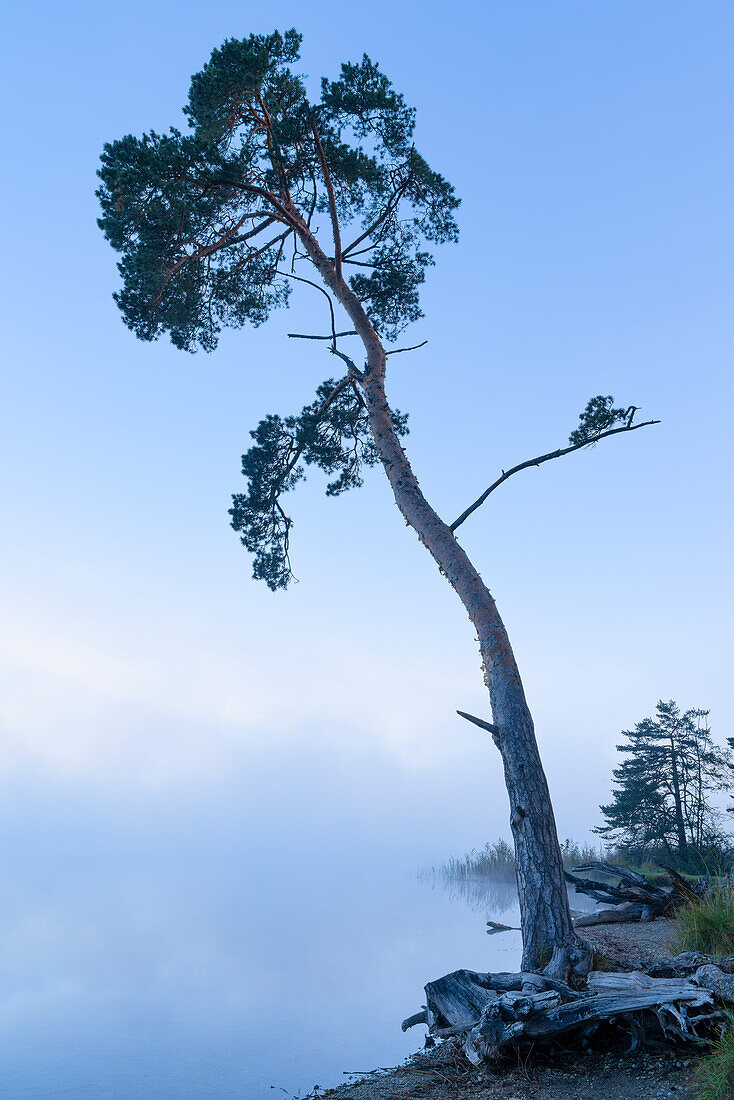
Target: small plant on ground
(603, 963)
(713, 1078)
(706, 924)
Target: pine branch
(332, 200)
(544, 458)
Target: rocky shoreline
(444, 1073)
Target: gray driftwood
(633, 896)
(628, 911)
(499, 1011)
(684, 964)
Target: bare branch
(354, 371)
(360, 399)
(361, 252)
(257, 228)
(228, 238)
(544, 458)
(398, 351)
(303, 336)
(494, 730)
(300, 279)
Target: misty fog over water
(171, 960)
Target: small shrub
(706, 924)
(713, 1078)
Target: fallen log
(630, 893)
(628, 911)
(716, 981)
(684, 964)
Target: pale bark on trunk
(548, 936)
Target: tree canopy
(205, 220)
(208, 226)
(214, 226)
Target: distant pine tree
(671, 768)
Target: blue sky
(591, 145)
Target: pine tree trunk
(548, 936)
(678, 805)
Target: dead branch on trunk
(488, 726)
(333, 336)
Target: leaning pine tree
(215, 228)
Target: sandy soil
(627, 944)
(443, 1073)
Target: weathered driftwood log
(716, 981)
(506, 1022)
(628, 911)
(684, 964)
(457, 1000)
(498, 1011)
(631, 894)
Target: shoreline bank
(608, 1073)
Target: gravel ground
(627, 943)
(443, 1073)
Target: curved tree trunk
(548, 936)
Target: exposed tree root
(499, 1012)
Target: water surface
(130, 971)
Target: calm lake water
(128, 973)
